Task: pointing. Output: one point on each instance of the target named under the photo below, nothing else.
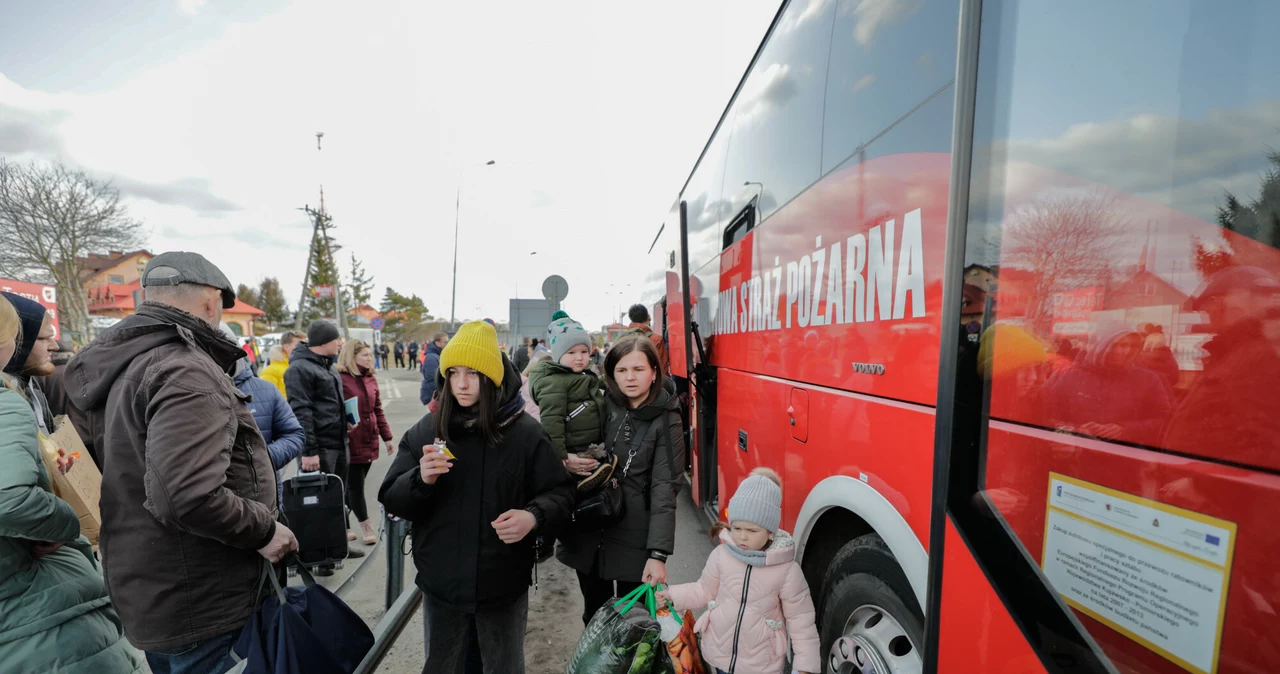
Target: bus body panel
(979, 635)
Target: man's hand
(513, 525)
(655, 573)
(391, 448)
(311, 463)
(433, 464)
(282, 543)
(42, 548)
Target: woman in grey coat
(644, 431)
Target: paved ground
(554, 609)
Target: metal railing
(400, 603)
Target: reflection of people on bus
(1065, 353)
(1108, 395)
(1231, 403)
(1157, 356)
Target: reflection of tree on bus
(1107, 394)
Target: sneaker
(355, 552)
(600, 476)
(322, 571)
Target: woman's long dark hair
(484, 413)
(624, 347)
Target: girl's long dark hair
(624, 347)
(484, 412)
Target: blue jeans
(205, 657)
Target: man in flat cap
(188, 491)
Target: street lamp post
(457, 208)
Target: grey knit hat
(565, 334)
(759, 501)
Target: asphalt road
(554, 607)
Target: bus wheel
(867, 625)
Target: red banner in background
(45, 295)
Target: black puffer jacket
(461, 561)
(649, 489)
(315, 394)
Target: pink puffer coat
(777, 604)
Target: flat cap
(176, 267)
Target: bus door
(1108, 439)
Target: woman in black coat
(477, 479)
(643, 429)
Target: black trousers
(413, 360)
(399, 360)
(355, 490)
(597, 592)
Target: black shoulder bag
(604, 506)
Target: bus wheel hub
(873, 643)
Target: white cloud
(593, 132)
(765, 91)
(864, 82)
(191, 7)
(871, 15)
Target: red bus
(993, 286)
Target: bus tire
(869, 606)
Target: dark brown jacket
(188, 492)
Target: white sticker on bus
(1155, 573)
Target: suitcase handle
(308, 479)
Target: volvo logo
(868, 368)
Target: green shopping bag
(611, 644)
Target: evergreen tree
(273, 303)
(402, 313)
(324, 272)
(248, 295)
(1258, 219)
(360, 287)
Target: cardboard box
(82, 486)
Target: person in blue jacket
(284, 435)
(430, 364)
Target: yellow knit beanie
(475, 346)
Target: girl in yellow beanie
(477, 477)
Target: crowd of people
(507, 467)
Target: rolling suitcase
(316, 512)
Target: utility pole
(320, 234)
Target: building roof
(113, 297)
(96, 262)
(242, 308)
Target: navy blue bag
(300, 630)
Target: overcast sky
(204, 113)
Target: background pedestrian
(355, 364)
(274, 372)
(431, 366)
(32, 358)
(279, 428)
(316, 396)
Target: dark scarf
(209, 339)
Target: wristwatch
(658, 555)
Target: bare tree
(52, 215)
(1065, 242)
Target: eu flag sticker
(1211, 539)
